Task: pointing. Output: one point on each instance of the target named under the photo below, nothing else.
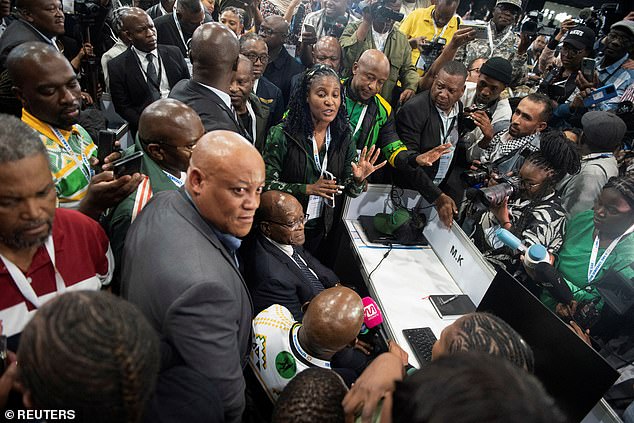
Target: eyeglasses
(291, 225)
(618, 36)
(269, 32)
(324, 58)
(609, 209)
(263, 58)
(476, 70)
(528, 185)
(188, 147)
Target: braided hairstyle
(558, 156)
(92, 352)
(488, 333)
(313, 396)
(299, 122)
(625, 186)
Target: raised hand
(366, 166)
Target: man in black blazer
(190, 14)
(427, 120)
(282, 66)
(146, 71)
(278, 270)
(214, 55)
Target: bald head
(139, 29)
(214, 54)
(327, 51)
(272, 202)
(168, 116)
(274, 30)
(225, 180)
(332, 321)
(369, 74)
(45, 83)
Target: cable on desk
(387, 253)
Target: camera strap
(86, 169)
(593, 265)
(24, 285)
(442, 32)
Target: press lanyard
(86, 169)
(178, 26)
(177, 181)
(436, 28)
(253, 123)
(359, 122)
(490, 35)
(23, 284)
(594, 266)
(321, 168)
(309, 358)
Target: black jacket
(17, 32)
(168, 34)
(212, 110)
(128, 86)
(271, 96)
(419, 126)
(274, 278)
(281, 70)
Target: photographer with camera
(527, 204)
(376, 31)
(485, 112)
(501, 40)
(429, 30)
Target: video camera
(429, 52)
(493, 196)
(546, 86)
(86, 11)
(380, 10)
(532, 24)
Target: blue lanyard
(316, 152)
(86, 169)
(177, 181)
(593, 265)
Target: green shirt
(574, 258)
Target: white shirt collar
(285, 248)
(255, 86)
(452, 113)
(143, 55)
(226, 98)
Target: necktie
(152, 77)
(308, 275)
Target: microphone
(533, 255)
(551, 279)
(372, 316)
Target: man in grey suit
(180, 266)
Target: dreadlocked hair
(312, 396)
(624, 185)
(92, 352)
(558, 155)
(487, 333)
(299, 121)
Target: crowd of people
(189, 276)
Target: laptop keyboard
(422, 341)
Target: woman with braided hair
(90, 352)
(313, 143)
(537, 215)
(598, 241)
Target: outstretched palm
(365, 166)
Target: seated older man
(278, 270)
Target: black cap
(498, 68)
(580, 37)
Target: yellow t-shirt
(420, 23)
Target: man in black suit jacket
(133, 83)
(164, 7)
(429, 119)
(275, 262)
(214, 54)
(282, 66)
(190, 14)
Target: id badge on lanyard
(594, 266)
(316, 202)
(86, 169)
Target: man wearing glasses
(278, 270)
(501, 41)
(256, 50)
(168, 131)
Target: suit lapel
(170, 66)
(137, 79)
(189, 213)
(288, 261)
